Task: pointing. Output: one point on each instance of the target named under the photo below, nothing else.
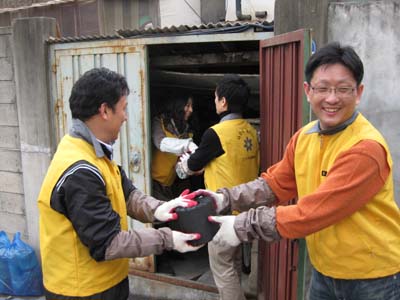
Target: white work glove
(177, 146)
(181, 240)
(218, 198)
(191, 147)
(165, 212)
(181, 168)
(226, 235)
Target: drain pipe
(239, 12)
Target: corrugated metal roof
(221, 27)
(33, 5)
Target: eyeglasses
(339, 91)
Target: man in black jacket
(85, 199)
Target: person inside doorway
(229, 154)
(172, 136)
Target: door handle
(136, 161)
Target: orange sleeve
(355, 177)
(281, 176)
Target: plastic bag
(25, 275)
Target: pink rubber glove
(166, 211)
(216, 197)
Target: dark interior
(195, 68)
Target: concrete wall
(31, 79)
(212, 11)
(25, 142)
(12, 206)
(372, 28)
(292, 15)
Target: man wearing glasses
(340, 169)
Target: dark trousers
(117, 292)
(167, 193)
(327, 288)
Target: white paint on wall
(26, 148)
(249, 7)
(180, 12)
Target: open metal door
(69, 62)
(283, 110)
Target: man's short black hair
(334, 53)
(94, 87)
(236, 92)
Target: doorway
(194, 69)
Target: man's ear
(307, 90)
(103, 111)
(360, 90)
(224, 102)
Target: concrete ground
(3, 297)
(131, 297)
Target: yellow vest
(163, 163)
(68, 268)
(367, 243)
(240, 162)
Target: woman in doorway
(172, 137)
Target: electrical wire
(131, 34)
(233, 29)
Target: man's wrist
(226, 205)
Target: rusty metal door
(69, 62)
(283, 110)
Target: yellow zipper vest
(163, 163)
(68, 268)
(366, 244)
(240, 162)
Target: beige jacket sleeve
(140, 242)
(258, 221)
(141, 207)
(248, 195)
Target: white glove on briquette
(165, 212)
(181, 240)
(226, 234)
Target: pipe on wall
(239, 14)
